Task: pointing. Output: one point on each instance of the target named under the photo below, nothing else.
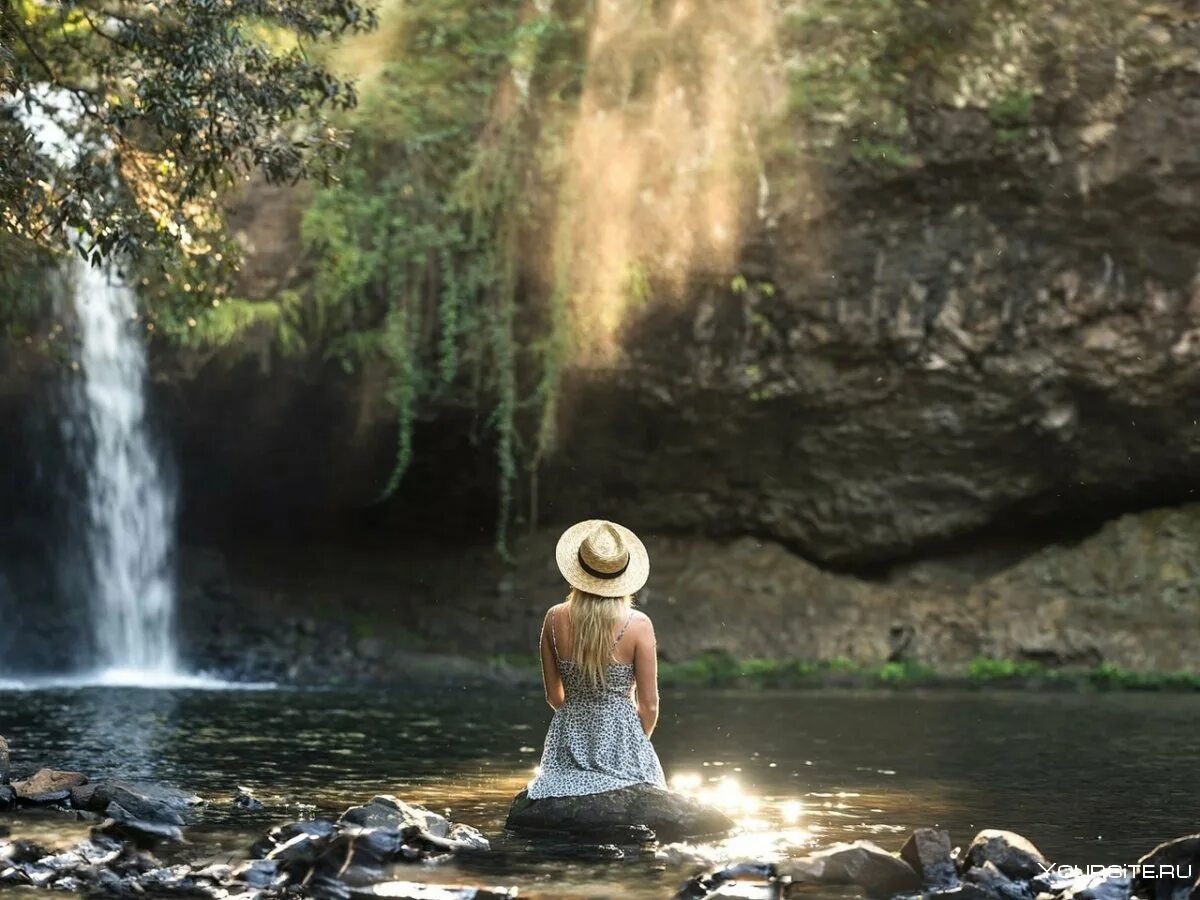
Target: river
(1091, 779)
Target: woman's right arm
(645, 670)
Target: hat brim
(632, 580)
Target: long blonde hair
(593, 621)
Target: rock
(258, 873)
(8, 797)
(1170, 870)
(861, 863)
(245, 799)
(468, 838)
(929, 853)
(388, 812)
(409, 890)
(4, 760)
(1010, 853)
(81, 795)
(48, 786)
(1101, 886)
(669, 815)
(746, 880)
(143, 802)
(996, 884)
(124, 825)
(316, 828)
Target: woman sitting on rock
(598, 654)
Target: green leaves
(170, 102)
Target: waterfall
(129, 519)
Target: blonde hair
(593, 621)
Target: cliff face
(993, 324)
(991, 334)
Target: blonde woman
(600, 669)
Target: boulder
(929, 853)
(1169, 871)
(48, 786)
(862, 863)
(468, 838)
(4, 760)
(1007, 851)
(126, 826)
(669, 815)
(144, 802)
(386, 811)
(995, 884)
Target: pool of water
(1091, 779)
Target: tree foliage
(165, 103)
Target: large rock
(668, 815)
(1171, 871)
(150, 803)
(386, 811)
(862, 863)
(929, 853)
(1010, 853)
(988, 879)
(48, 786)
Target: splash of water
(130, 506)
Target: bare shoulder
(640, 623)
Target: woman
(598, 654)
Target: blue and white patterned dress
(595, 742)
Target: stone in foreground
(386, 811)
(862, 863)
(929, 853)
(669, 815)
(1007, 851)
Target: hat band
(596, 573)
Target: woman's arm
(645, 670)
(550, 674)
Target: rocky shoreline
(137, 846)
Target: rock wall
(1128, 595)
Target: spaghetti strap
(621, 634)
(553, 637)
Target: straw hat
(602, 558)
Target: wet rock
(669, 815)
(861, 863)
(143, 802)
(124, 825)
(1101, 886)
(930, 855)
(8, 797)
(317, 828)
(48, 786)
(387, 811)
(245, 799)
(995, 884)
(1170, 870)
(81, 795)
(468, 838)
(258, 873)
(1055, 880)
(1012, 854)
(745, 880)
(4, 760)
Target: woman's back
(597, 655)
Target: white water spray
(130, 506)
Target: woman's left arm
(551, 678)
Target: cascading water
(130, 507)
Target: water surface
(1091, 779)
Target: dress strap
(553, 637)
(621, 633)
